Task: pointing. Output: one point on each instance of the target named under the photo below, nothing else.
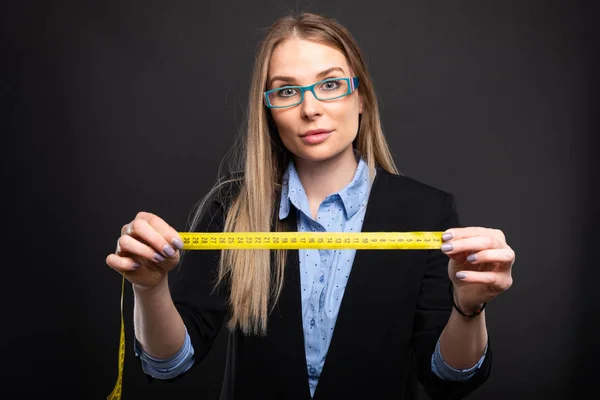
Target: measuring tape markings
(311, 240)
(287, 240)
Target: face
(299, 62)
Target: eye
(287, 92)
(331, 85)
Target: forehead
(303, 59)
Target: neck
(322, 178)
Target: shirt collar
(353, 197)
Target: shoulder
(406, 198)
(406, 186)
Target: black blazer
(401, 295)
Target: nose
(311, 107)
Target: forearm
(463, 340)
(158, 326)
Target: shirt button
(312, 322)
(312, 370)
(321, 278)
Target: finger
(146, 231)
(167, 231)
(505, 255)
(497, 282)
(485, 277)
(129, 246)
(122, 264)
(125, 229)
(471, 244)
(461, 233)
(171, 239)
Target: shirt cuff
(167, 368)
(446, 372)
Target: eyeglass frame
(353, 84)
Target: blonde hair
(253, 281)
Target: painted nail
(136, 265)
(168, 250)
(177, 243)
(447, 247)
(461, 275)
(158, 257)
(472, 257)
(447, 236)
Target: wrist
(151, 291)
(468, 311)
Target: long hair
(255, 278)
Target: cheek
(350, 107)
(284, 120)
(347, 116)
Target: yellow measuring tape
(288, 240)
(312, 240)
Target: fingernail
(472, 257)
(158, 257)
(447, 247)
(461, 275)
(136, 265)
(447, 236)
(177, 243)
(169, 251)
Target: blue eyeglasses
(328, 89)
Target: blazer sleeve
(201, 304)
(433, 311)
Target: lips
(315, 136)
(314, 132)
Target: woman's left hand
(480, 265)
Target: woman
(316, 160)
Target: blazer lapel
(285, 324)
(378, 285)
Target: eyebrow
(289, 79)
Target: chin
(318, 153)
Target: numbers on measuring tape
(311, 240)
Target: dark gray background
(112, 107)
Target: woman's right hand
(147, 250)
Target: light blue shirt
(323, 277)
(324, 273)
